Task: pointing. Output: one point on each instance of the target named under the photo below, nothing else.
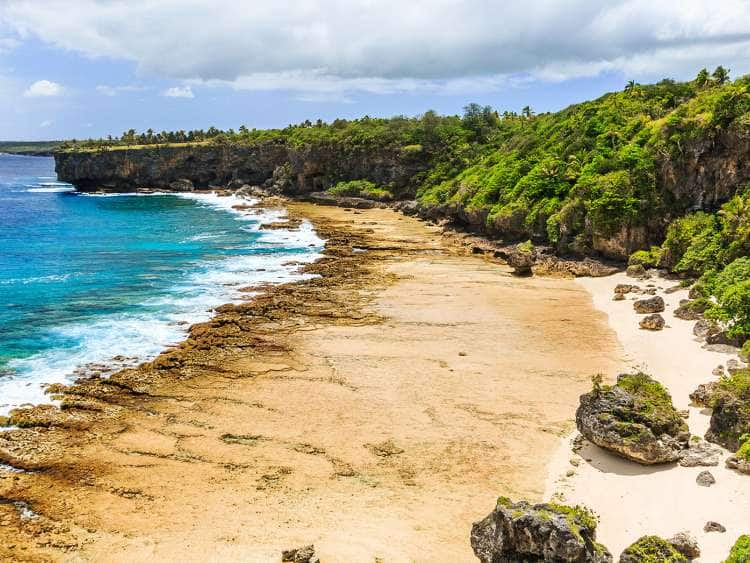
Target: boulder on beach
(686, 544)
(623, 288)
(701, 397)
(730, 418)
(648, 306)
(705, 479)
(521, 258)
(524, 533)
(304, 554)
(701, 454)
(636, 271)
(692, 310)
(651, 549)
(652, 322)
(635, 419)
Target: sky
(92, 68)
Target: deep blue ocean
(114, 279)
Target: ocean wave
(39, 279)
(163, 320)
(50, 189)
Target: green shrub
(647, 258)
(652, 549)
(361, 188)
(740, 551)
(744, 450)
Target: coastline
(634, 500)
(281, 411)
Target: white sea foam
(163, 320)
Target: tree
(720, 75)
(702, 78)
(527, 112)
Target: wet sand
(375, 411)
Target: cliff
(294, 170)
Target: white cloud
(45, 123)
(108, 90)
(43, 88)
(324, 48)
(179, 92)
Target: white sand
(634, 500)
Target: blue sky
(89, 68)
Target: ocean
(114, 279)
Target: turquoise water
(115, 279)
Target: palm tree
(720, 75)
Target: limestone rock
(703, 328)
(525, 533)
(686, 544)
(701, 454)
(739, 464)
(652, 322)
(618, 297)
(647, 306)
(705, 479)
(714, 527)
(521, 260)
(651, 549)
(730, 418)
(701, 397)
(300, 555)
(181, 185)
(634, 418)
(691, 310)
(624, 288)
(636, 271)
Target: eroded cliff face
(295, 170)
(708, 172)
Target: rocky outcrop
(648, 306)
(739, 464)
(521, 259)
(635, 419)
(686, 544)
(291, 170)
(701, 454)
(525, 533)
(652, 322)
(300, 555)
(651, 549)
(730, 418)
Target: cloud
(179, 92)
(45, 123)
(107, 90)
(325, 48)
(43, 89)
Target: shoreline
(633, 500)
(161, 315)
(283, 408)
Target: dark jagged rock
(652, 322)
(648, 306)
(739, 464)
(525, 533)
(634, 418)
(730, 418)
(701, 397)
(300, 555)
(636, 271)
(705, 479)
(701, 454)
(714, 527)
(691, 310)
(521, 259)
(686, 544)
(651, 549)
(623, 288)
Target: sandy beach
(376, 411)
(634, 500)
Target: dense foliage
(652, 549)
(740, 551)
